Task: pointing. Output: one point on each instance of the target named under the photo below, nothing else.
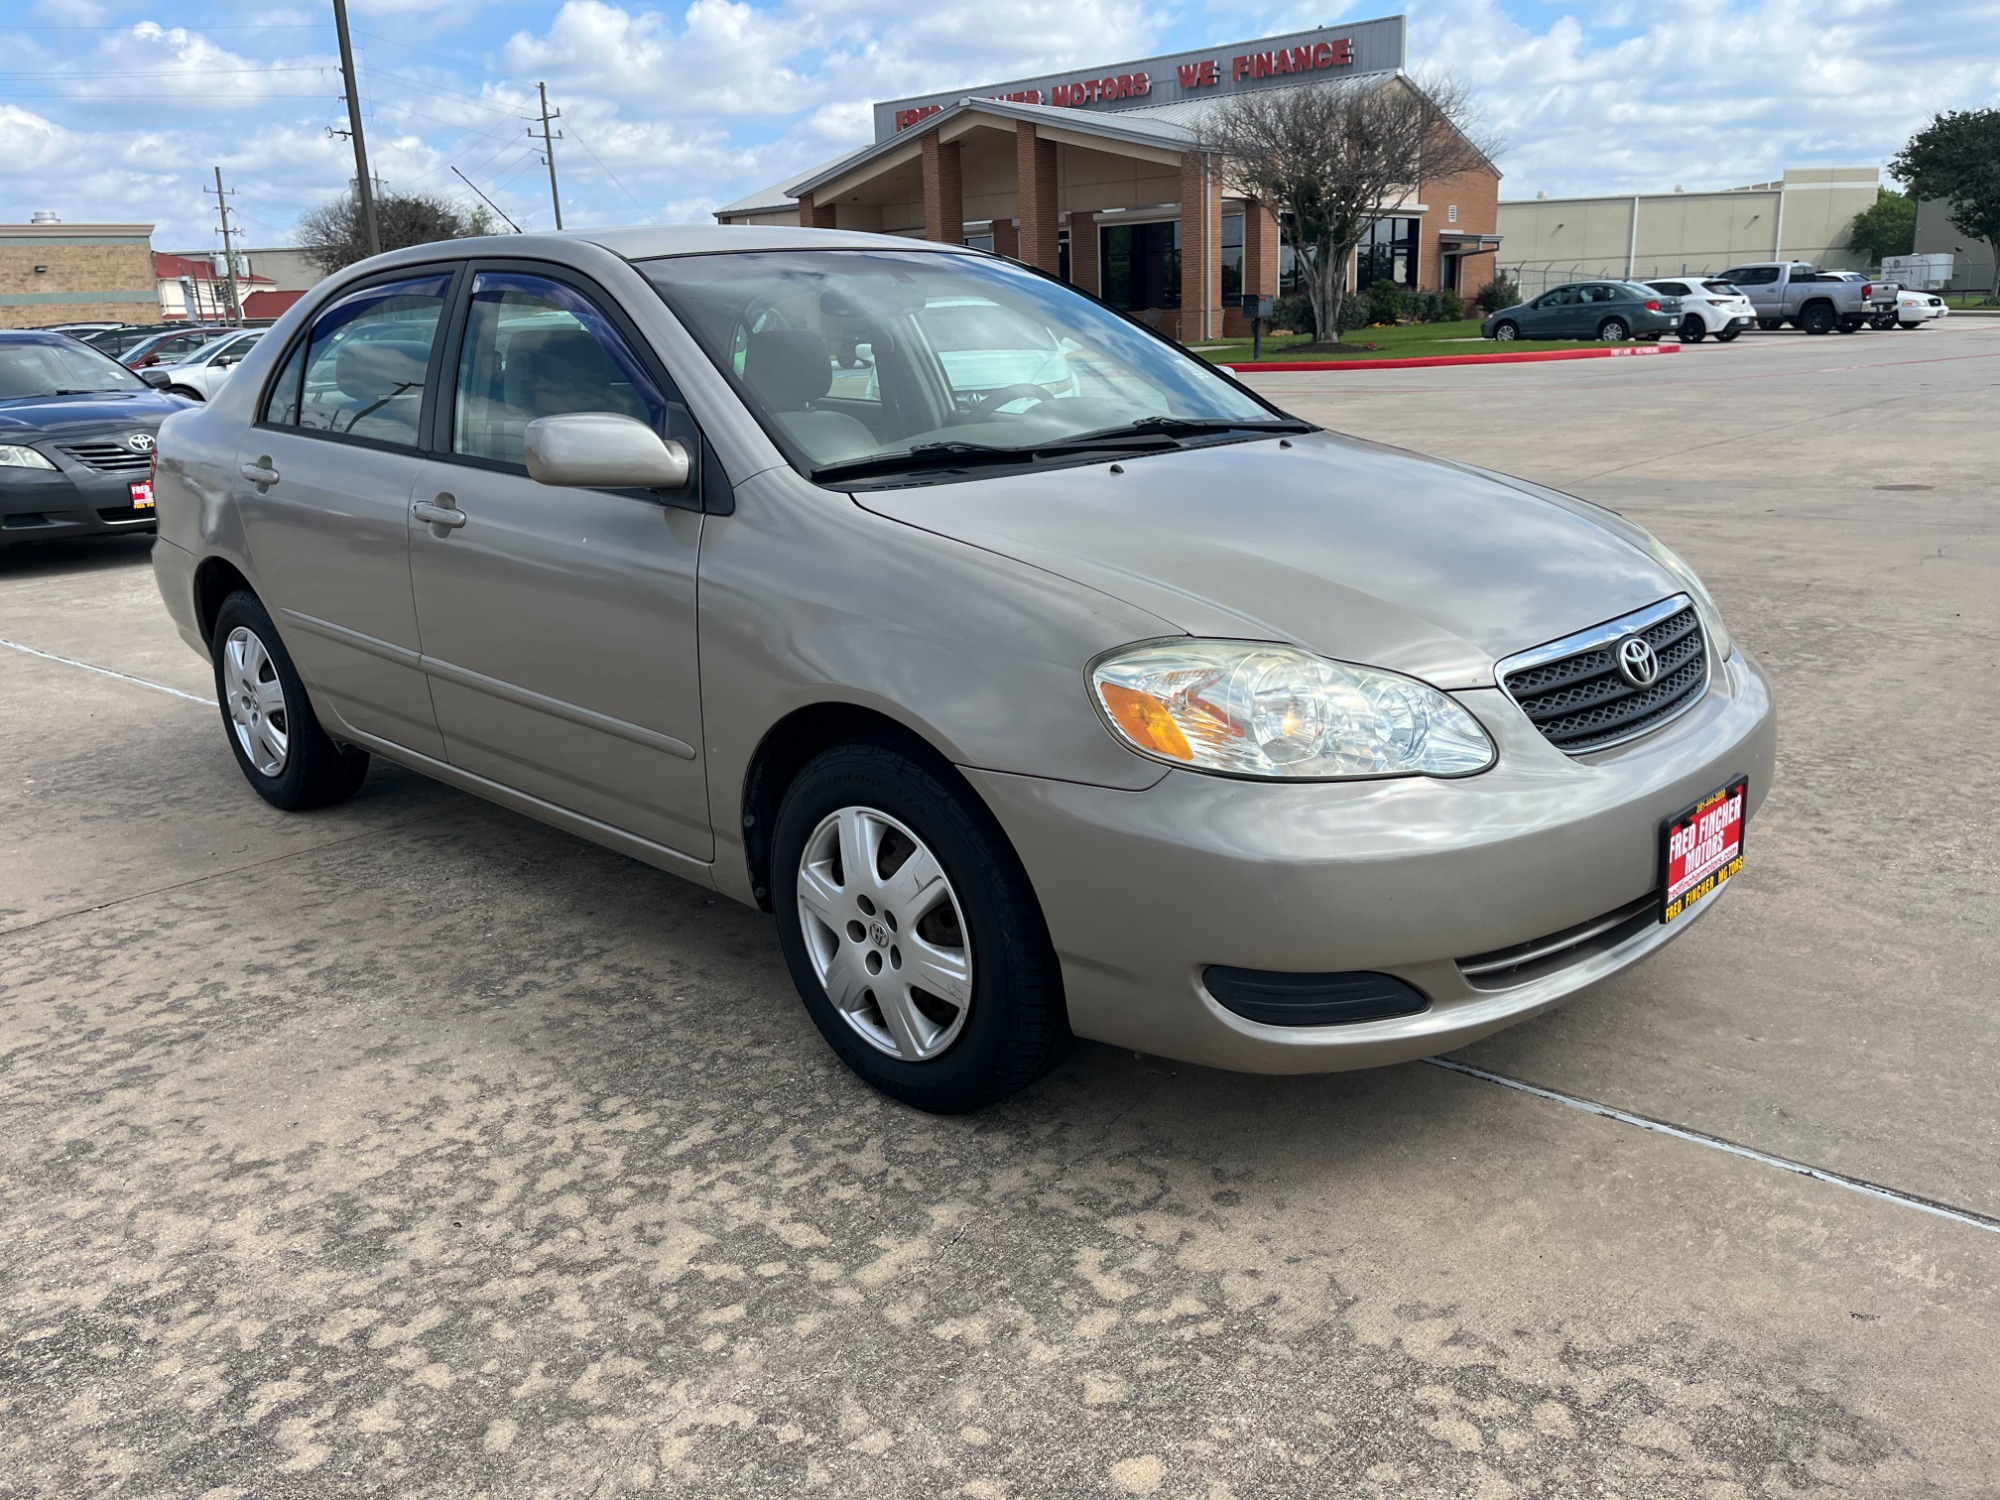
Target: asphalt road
(411, 1148)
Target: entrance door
(559, 623)
(323, 488)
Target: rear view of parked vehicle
(1903, 307)
(1708, 307)
(172, 346)
(1799, 293)
(1611, 311)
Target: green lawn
(1408, 341)
(1968, 299)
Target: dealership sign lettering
(1365, 47)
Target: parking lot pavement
(413, 1148)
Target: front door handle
(443, 514)
(260, 473)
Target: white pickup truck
(1799, 293)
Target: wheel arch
(786, 749)
(215, 579)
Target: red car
(175, 344)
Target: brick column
(814, 215)
(944, 191)
(1083, 252)
(1006, 238)
(1262, 240)
(1201, 249)
(1035, 173)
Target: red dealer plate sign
(1701, 849)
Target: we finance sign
(1270, 62)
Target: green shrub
(1295, 313)
(1451, 307)
(1385, 301)
(1353, 313)
(1496, 294)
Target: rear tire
(1693, 330)
(1770, 325)
(947, 865)
(1727, 335)
(273, 732)
(1817, 318)
(1614, 331)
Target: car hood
(81, 416)
(1348, 548)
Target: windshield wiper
(965, 455)
(1201, 426)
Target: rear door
(1763, 286)
(323, 486)
(559, 623)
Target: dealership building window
(1142, 265)
(1387, 252)
(1232, 255)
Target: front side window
(366, 362)
(1562, 296)
(965, 350)
(1751, 276)
(540, 348)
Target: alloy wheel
(885, 933)
(256, 702)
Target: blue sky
(120, 110)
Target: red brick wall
(1035, 169)
(1083, 247)
(944, 191)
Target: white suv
(1708, 306)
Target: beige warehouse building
(52, 272)
(1803, 216)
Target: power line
(609, 173)
(488, 201)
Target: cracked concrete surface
(411, 1148)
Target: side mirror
(153, 376)
(599, 450)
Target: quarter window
(366, 363)
(539, 348)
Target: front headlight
(13, 456)
(1711, 617)
(1245, 708)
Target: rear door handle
(259, 473)
(443, 514)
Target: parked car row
(1768, 295)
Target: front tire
(273, 732)
(1614, 331)
(911, 931)
(1506, 331)
(186, 391)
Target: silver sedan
(1038, 678)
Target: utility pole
(548, 146)
(228, 250)
(364, 185)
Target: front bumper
(39, 505)
(1144, 890)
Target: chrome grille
(1574, 692)
(108, 458)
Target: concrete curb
(1526, 357)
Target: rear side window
(1720, 288)
(1671, 288)
(361, 372)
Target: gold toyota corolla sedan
(1039, 679)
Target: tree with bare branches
(1331, 158)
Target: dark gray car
(1084, 694)
(77, 431)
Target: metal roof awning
(1463, 240)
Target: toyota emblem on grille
(1638, 663)
(140, 442)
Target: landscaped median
(1412, 346)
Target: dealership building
(1096, 175)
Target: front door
(1551, 314)
(323, 486)
(559, 624)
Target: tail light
(1652, 304)
(1867, 290)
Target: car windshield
(30, 369)
(858, 358)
